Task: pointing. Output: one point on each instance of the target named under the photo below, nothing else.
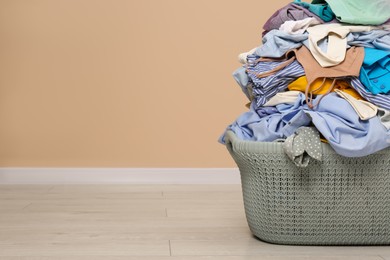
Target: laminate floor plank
(77, 247)
(298, 257)
(142, 222)
(255, 247)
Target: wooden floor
(153, 222)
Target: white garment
(288, 97)
(337, 41)
(364, 109)
(298, 27)
(242, 57)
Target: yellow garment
(301, 83)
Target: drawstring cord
(268, 73)
(309, 95)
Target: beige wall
(122, 83)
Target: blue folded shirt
(375, 71)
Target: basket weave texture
(339, 201)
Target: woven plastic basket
(339, 201)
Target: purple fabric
(290, 12)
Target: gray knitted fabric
(339, 201)
(303, 145)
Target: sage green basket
(339, 201)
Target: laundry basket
(339, 201)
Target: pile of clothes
(321, 74)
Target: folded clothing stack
(322, 73)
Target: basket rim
(235, 144)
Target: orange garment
(300, 84)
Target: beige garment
(350, 66)
(337, 41)
(242, 57)
(288, 97)
(364, 109)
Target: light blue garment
(346, 133)
(375, 71)
(379, 39)
(321, 10)
(276, 43)
(339, 124)
(251, 126)
(242, 80)
(266, 111)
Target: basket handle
(230, 139)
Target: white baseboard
(119, 176)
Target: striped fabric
(380, 100)
(266, 87)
